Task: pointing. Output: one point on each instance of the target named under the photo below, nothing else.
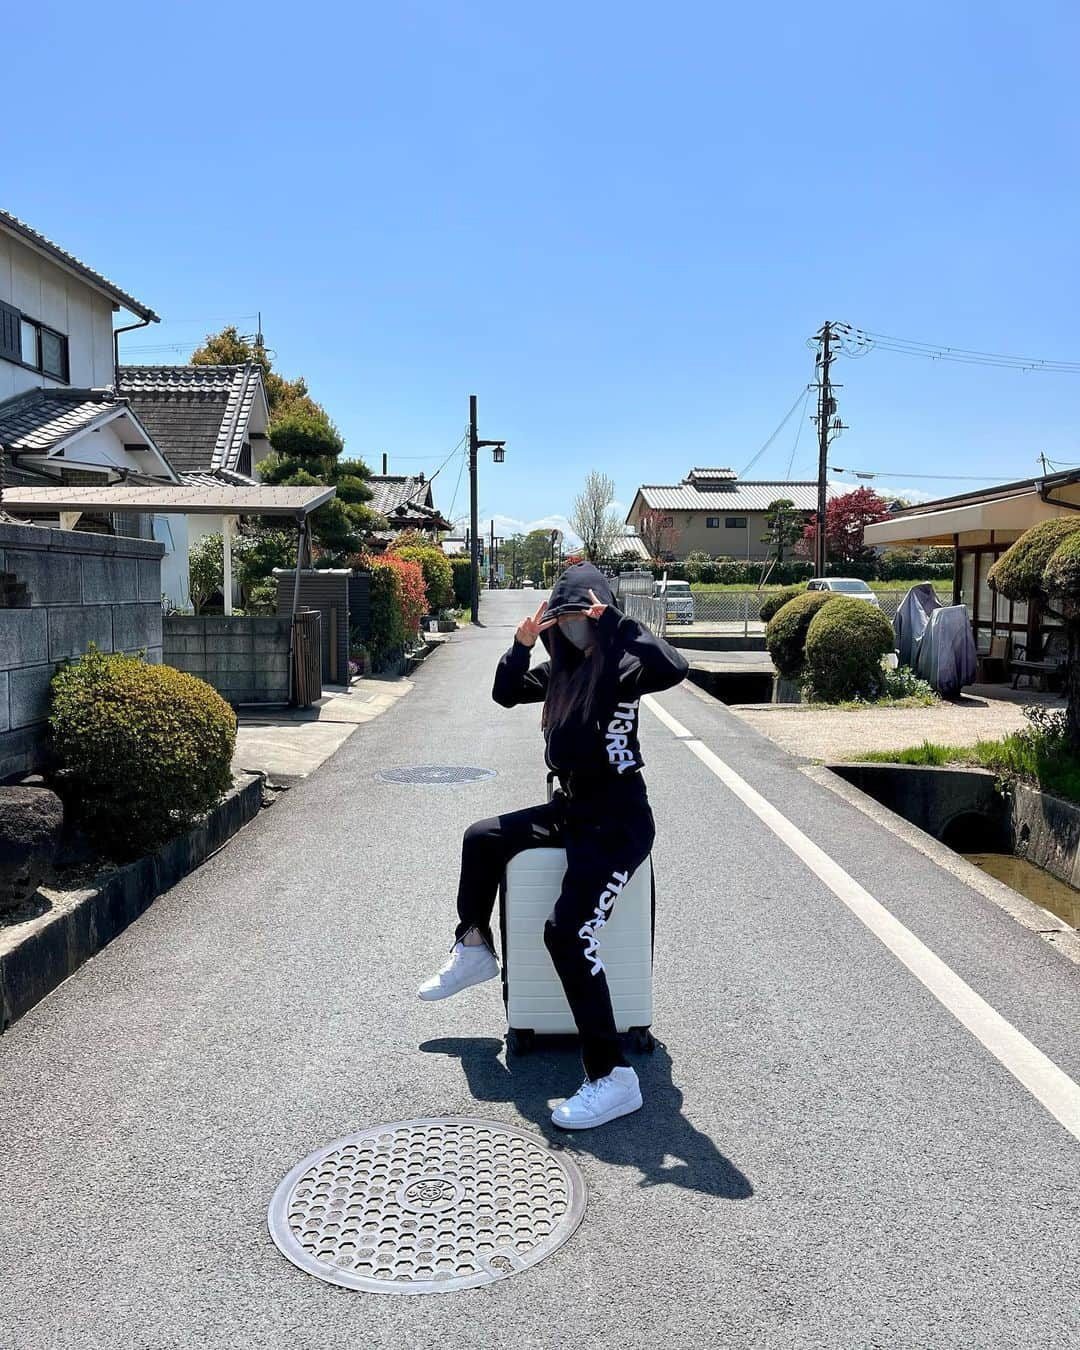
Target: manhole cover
(423, 1206)
(436, 773)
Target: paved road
(827, 1158)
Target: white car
(858, 590)
(680, 600)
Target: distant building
(714, 512)
(407, 504)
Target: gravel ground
(834, 734)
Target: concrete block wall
(245, 657)
(80, 588)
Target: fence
(741, 607)
(646, 609)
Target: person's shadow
(645, 1139)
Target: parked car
(680, 600)
(858, 590)
(528, 584)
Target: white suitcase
(534, 998)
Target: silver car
(680, 600)
(858, 590)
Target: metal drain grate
(423, 1206)
(435, 773)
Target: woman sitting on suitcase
(601, 663)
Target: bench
(1051, 666)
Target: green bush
(778, 600)
(844, 647)
(785, 634)
(438, 574)
(1020, 571)
(462, 581)
(142, 751)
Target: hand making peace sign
(529, 629)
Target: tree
(1044, 566)
(592, 520)
(783, 526)
(527, 554)
(657, 533)
(306, 449)
(846, 517)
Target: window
(32, 344)
(735, 523)
(712, 522)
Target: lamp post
(498, 455)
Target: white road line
(1051, 1086)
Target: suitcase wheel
(641, 1038)
(519, 1040)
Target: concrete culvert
(975, 832)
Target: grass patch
(1038, 755)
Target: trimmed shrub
(142, 751)
(1019, 572)
(462, 579)
(398, 603)
(785, 634)
(844, 647)
(778, 600)
(438, 576)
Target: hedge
(461, 569)
(778, 600)
(438, 577)
(142, 751)
(785, 634)
(844, 647)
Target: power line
(861, 341)
(943, 477)
(787, 418)
(798, 430)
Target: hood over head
(571, 591)
(570, 594)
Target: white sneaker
(603, 1099)
(465, 966)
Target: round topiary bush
(1019, 572)
(778, 600)
(844, 647)
(785, 635)
(142, 751)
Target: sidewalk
(288, 744)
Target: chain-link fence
(742, 607)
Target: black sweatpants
(605, 842)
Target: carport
(72, 501)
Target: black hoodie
(605, 751)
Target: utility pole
(491, 557)
(498, 453)
(829, 425)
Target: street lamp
(498, 449)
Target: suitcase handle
(550, 785)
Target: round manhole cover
(435, 773)
(423, 1206)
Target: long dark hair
(573, 683)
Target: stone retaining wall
(79, 588)
(245, 657)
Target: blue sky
(616, 223)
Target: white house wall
(172, 531)
(45, 292)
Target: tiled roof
(217, 478)
(36, 240)
(711, 475)
(198, 415)
(391, 490)
(739, 497)
(42, 418)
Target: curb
(59, 943)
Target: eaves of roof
(34, 239)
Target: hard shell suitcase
(532, 994)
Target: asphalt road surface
(860, 1125)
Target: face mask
(578, 632)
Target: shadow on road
(646, 1140)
